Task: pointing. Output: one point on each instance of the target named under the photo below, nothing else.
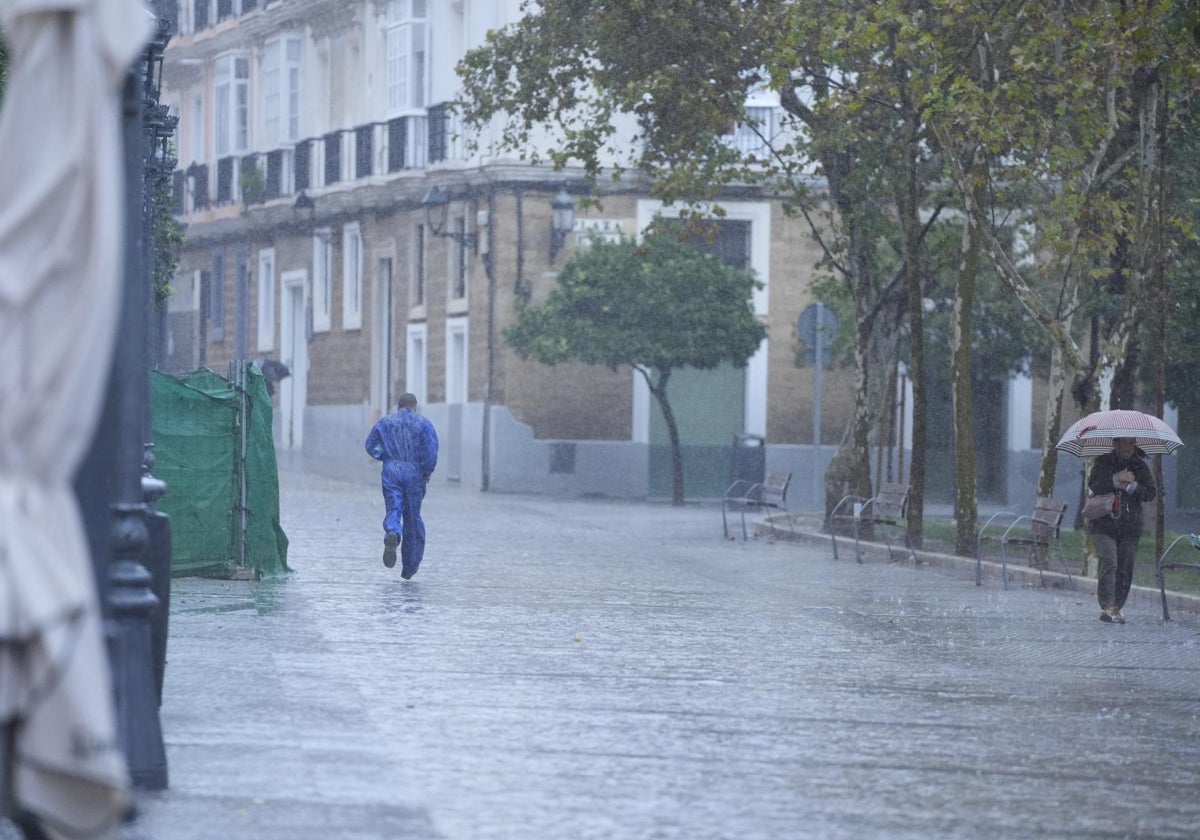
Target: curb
(1018, 575)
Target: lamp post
(437, 205)
(140, 535)
(159, 163)
(562, 220)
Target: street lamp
(437, 204)
(562, 220)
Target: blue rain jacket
(407, 445)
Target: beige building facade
(311, 133)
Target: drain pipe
(489, 268)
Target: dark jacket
(1128, 523)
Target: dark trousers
(1115, 573)
(403, 492)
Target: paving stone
(595, 669)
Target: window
(456, 250)
(418, 266)
(216, 298)
(266, 299)
(456, 360)
(281, 91)
(231, 105)
(352, 268)
(415, 361)
(322, 282)
(407, 55)
(201, 15)
(753, 137)
(196, 136)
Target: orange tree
(656, 306)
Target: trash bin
(748, 459)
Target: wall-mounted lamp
(562, 220)
(437, 204)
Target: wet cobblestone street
(593, 669)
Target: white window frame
(352, 276)
(266, 299)
(322, 304)
(280, 74)
(406, 52)
(196, 136)
(416, 362)
(231, 117)
(458, 371)
(293, 80)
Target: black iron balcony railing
(198, 15)
(346, 156)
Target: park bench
(1162, 566)
(744, 496)
(1038, 532)
(886, 510)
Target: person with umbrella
(1122, 471)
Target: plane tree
(1068, 121)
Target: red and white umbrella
(1094, 435)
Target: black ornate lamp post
(137, 614)
(159, 166)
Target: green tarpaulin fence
(214, 448)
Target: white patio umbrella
(61, 236)
(1094, 434)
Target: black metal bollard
(133, 605)
(158, 563)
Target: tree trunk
(850, 470)
(659, 391)
(966, 510)
(1052, 428)
(910, 221)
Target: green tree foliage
(1044, 117)
(655, 306)
(168, 238)
(1179, 314)
(680, 71)
(1068, 118)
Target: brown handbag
(1097, 507)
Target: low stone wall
(521, 463)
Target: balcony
(198, 15)
(345, 157)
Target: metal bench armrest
(1014, 524)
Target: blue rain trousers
(403, 490)
(407, 445)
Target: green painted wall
(709, 408)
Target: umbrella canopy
(61, 234)
(1094, 435)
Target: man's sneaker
(389, 548)
(1117, 617)
(1109, 614)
